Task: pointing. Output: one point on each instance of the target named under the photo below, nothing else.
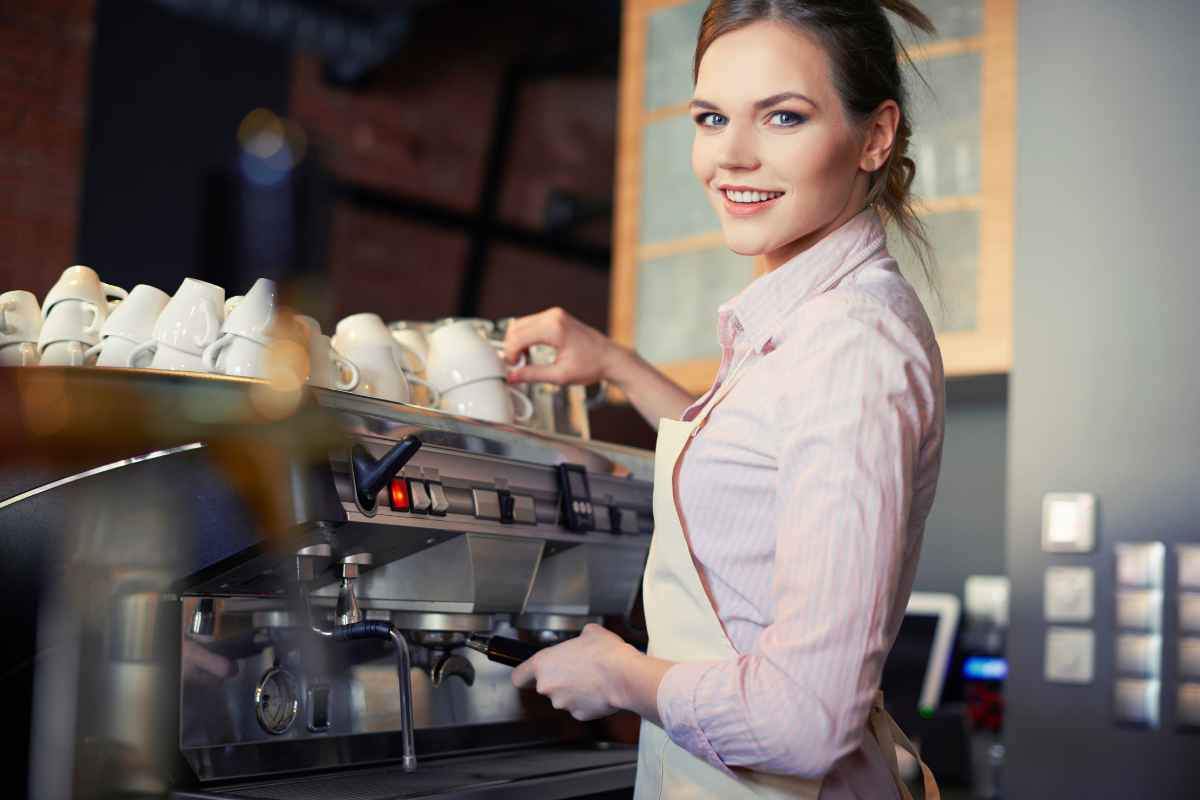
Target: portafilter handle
(372, 474)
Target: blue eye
(788, 119)
(710, 119)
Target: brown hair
(863, 55)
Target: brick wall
(44, 53)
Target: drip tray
(546, 773)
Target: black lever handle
(503, 650)
(371, 474)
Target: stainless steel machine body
(191, 657)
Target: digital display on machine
(578, 484)
(984, 668)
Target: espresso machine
(304, 593)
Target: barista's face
(774, 150)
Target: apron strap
(888, 734)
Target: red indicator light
(399, 494)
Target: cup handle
(148, 346)
(94, 325)
(524, 402)
(212, 324)
(522, 359)
(210, 354)
(4, 326)
(77, 354)
(424, 365)
(92, 352)
(116, 292)
(342, 363)
(435, 396)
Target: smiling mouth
(749, 196)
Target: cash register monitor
(915, 671)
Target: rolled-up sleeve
(856, 389)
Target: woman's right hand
(585, 355)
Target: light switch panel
(1189, 612)
(1189, 658)
(1136, 702)
(1189, 566)
(1139, 655)
(1140, 564)
(1188, 708)
(1068, 522)
(1070, 655)
(1140, 609)
(1068, 594)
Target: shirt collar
(761, 308)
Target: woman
(790, 500)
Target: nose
(738, 149)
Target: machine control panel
(577, 510)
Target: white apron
(683, 626)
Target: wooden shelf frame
(987, 349)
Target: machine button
(507, 506)
(438, 504)
(1139, 610)
(1140, 564)
(524, 510)
(398, 495)
(487, 504)
(1069, 655)
(419, 496)
(1189, 612)
(1068, 594)
(1189, 565)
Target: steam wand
(350, 625)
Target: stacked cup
(129, 325)
(412, 336)
(189, 322)
(73, 312)
(468, 372)
(244, 344)
(326, 367)
(381, 360)
(20, 324)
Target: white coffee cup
(236, 355)
(328, 368)
(19, 354)
(72, 320)
(381, 372)
(115, 350)
(190, 322)
(413, 339)
(458, 354)
(63, 354)
(252, 315)
(134, 317)
(81, 283)
(368, 330)
(20, 317)
(489, 399)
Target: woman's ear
(880, 136)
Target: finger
(536, 373)
(524, 676)
(544, 328)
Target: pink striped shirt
(804, 499)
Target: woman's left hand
(582, 675)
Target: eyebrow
(766, 102)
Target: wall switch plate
(1189, 565)
(1188, 705)
(1189, 658)
(1068, 594)
(1070, 655)
(1135, 702)
(1139, 655)
(1139, 609)
(1140, 564)
(1068, 522)
(1189, 612)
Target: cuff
(677, 710)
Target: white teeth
(751, 197)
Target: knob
(371, 474)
